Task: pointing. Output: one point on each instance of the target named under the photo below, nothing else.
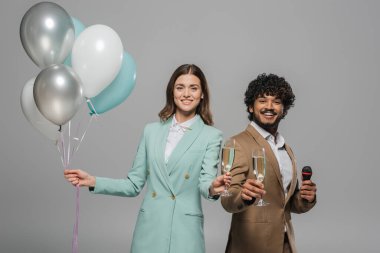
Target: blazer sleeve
(135, 181)
(298, 204)
(210, 163)
(239, 172)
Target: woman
(177, 158)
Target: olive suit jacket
(261, 229)
(170, 218)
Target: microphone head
(306, 173)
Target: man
(265, 229)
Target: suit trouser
(286, 248)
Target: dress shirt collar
(184, 126)
(278, 140)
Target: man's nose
(269, 105)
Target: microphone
(306, 173)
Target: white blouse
(176, 132)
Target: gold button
(187, 176)
(173, 197)
(154, 194)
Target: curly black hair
(271, 85)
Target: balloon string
(92, 106)
(68, 146)
(66, 163)
(66, 158)
(75, 230)
(84, 133)
(79, 141)
(75, 137)
(63, 151)
(73, 151)
(58, 144)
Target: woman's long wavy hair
(203, 109)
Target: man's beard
(269, 127)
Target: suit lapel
(270, 157)
(294, 173)
(160, 145)
(184, 144)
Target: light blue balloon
(118, 91)
(78, 28)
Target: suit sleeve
(298, 204)
(210, 163)
(239, 172)
(135, 181)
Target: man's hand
(252, 189)
(308, 190)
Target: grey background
(328, 51)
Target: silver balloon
(58, 93)
(47, 34)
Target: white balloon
(96, 57)
(34, 116)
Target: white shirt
(176, 132)
(278, 147)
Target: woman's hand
(79, 178)
(219, 183)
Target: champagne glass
(259, 166)
(228, 153)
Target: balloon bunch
(78, 64)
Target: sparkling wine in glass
(259, 166)
(228, 154)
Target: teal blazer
(170, 218)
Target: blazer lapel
(184, 144)
(162, 136)
(270, 157)
(294, 173)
